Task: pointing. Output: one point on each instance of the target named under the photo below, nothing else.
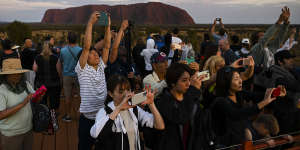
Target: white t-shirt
(93, 89)
(176, 40)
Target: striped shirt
(93, 89)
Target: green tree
(18, 31)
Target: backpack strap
(136, 113)
(73, 55)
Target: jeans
(85, 140)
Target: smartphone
(206, 73)
(139, 98)
(246, 61)
(190, 60)
(103, 21)
(218, 19)
(276, 92)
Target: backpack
(41, 117)
(203, 136)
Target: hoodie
(148, 52)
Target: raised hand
(268, 95)
(124, 25)
(236, 64)
(196, 80)
(94, 17)
(286, 14)
(215, 21)
(124, 104)
(194, 66)
(150, 96)
(252, 63)
(282, 91)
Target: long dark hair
(19, 88)
(223, 81)
(112, 84)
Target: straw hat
(12, 66)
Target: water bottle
(53, 120)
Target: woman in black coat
(230, 112)
(176, 104)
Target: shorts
(69, 83)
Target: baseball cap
(245, 41)
(158, 57)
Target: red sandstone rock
(142, 13)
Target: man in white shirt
(157, 78)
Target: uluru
(152, 13)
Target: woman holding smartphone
(116, 125)
(231, 109)
(176, 105)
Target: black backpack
(204, 137)
(41, 117)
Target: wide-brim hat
(12, 66)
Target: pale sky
(202, 11)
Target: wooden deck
(66, 138)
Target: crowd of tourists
(156, 93)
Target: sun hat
(12, 66)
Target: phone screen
(246, 62)
(190, 60)
(103, 19)
(206, 73)
(139, 98)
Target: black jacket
(175, 115)
(231, 119)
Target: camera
(218, 19)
